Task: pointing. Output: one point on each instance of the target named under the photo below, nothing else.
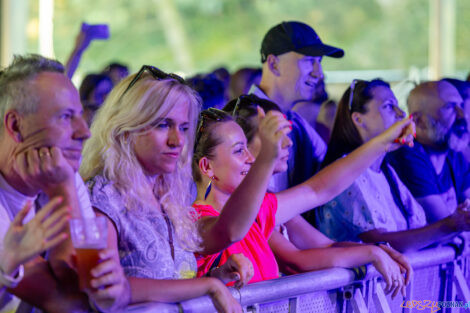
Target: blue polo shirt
(415, 169)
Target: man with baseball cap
(291, 53)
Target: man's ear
(273, 64)
(205, 167)
(12, 121)
(420, 120)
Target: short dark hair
(115, 65)
(210, 88)
(90, 82)
(246, 111)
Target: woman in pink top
(232, 186)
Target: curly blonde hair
(109, 151)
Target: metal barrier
(441, 274)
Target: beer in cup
(89, 236)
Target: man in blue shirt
(437, 176)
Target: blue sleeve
(461, 169)
(415, 171)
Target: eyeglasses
(209, 114)
(237, 104)
(157, 73)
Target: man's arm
(40, 288)
(435, 207)
(417, 172)
(418, 238)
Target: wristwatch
(11, 281)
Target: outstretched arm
(82, 42)
(335, 178)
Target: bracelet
(360, 272)
(10, 281)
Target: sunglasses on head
(237, 105)
(156, 73)
(249, 102)
(351, 93)
(212, 114)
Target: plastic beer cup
(89, 236)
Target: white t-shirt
(11, 202)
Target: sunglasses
(212, 114)
(156, 73)
(237, 104)
(351, 93)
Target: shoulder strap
(395, 190)
(216, 262)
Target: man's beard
(459, 137)
(456, 138)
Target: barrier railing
(440, 274)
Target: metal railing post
(380, 300)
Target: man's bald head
(436, 105)
(429, 97)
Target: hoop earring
(208, 189)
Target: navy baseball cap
(298, 37)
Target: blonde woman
(137, 165)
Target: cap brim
(319, 50)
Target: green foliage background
(376, 34)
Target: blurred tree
(376, 34)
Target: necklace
(170, 233)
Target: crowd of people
(220, 180)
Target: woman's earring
(209, 187)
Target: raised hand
(273, 128)
(238, 268)
(46, 230)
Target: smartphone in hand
(96, 31)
